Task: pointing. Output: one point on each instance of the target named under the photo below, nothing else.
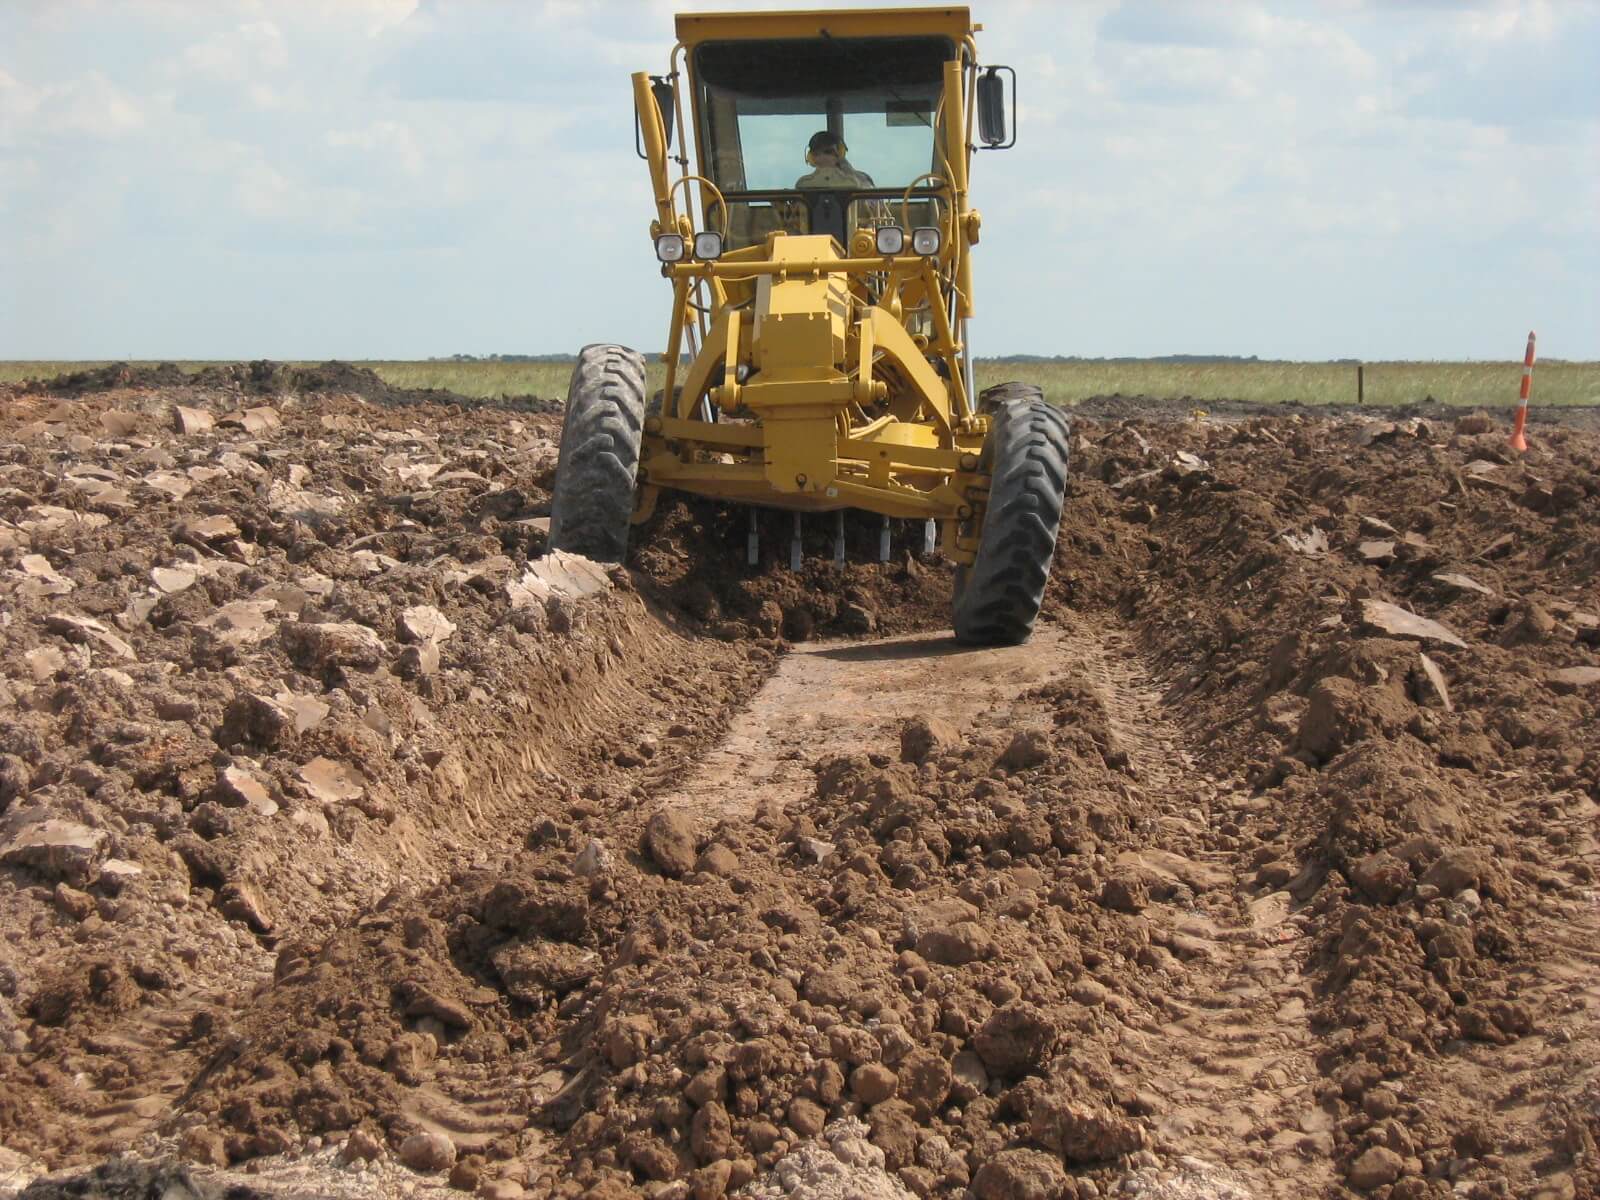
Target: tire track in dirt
(1232, 1056)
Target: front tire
(592, 502)
(997, 599)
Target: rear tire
(592, 503)
(997, 599)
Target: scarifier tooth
(752, 551)
(838, 537)
(883, 541)
(930, 536)
(794, 546)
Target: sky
(412, 178)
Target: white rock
(593, 859)
(329, 781)
(172, 580)
(424, 623)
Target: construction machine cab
(824, 320)
(760, 105)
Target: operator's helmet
(825, 141)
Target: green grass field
(1459, 383)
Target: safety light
(669, 247)
(891, 239)
(708, 246)
(925, 241)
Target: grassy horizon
(1492, 384)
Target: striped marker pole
(1518, 442)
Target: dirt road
(347, 850)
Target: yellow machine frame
(838, 405)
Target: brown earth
(344, 851)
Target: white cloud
(378, 177)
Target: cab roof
(953, 21)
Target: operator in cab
(825, 154)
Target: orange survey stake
(1518, 441)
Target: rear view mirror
(992, 108)
(664, 97)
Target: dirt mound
(263, 377)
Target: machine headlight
(708, 246)
(925, 240)
(669, 247)
(891, 239)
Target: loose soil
(349, 848)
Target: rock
(255, 720)
(1016, 1039)
(856, 619)
(1436, 685)
(1382, 876)
(42, 579)
(1376, 551)
(1465, 867)
(806, 1117)
(418, 662)
(320, 646)
(924, 737)
(711, 1133)
(242, 622)
(72, 903)
(78, 629)
(955, 945)
(306, 712)
(669, 841)
(57, 849)
(594, 859)
(243, 901)
(1377, 1166)
(872, 1083)
(1124, 891)
(923, 1081)
(1474, 423)
(815, 849)
(240, 789)
(1020, 1175)
(360, 1146)
(172, 580)
(1573, 679)
(45, 663)
(204, 1146)
(428, 1152)
(1028, 748)
(558, 575)
(118, 873)
(1533, 627)
(717, 859)
(1394, 621)
(329, 781)
(424, 623)
(1462, 583)
(191, 420)
(1312, 543)
(208, 529)
(1081, 1133)
(501, 1189)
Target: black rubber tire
(991, 398)
(998, 598)
(592, 502)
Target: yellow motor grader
(819, 247)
